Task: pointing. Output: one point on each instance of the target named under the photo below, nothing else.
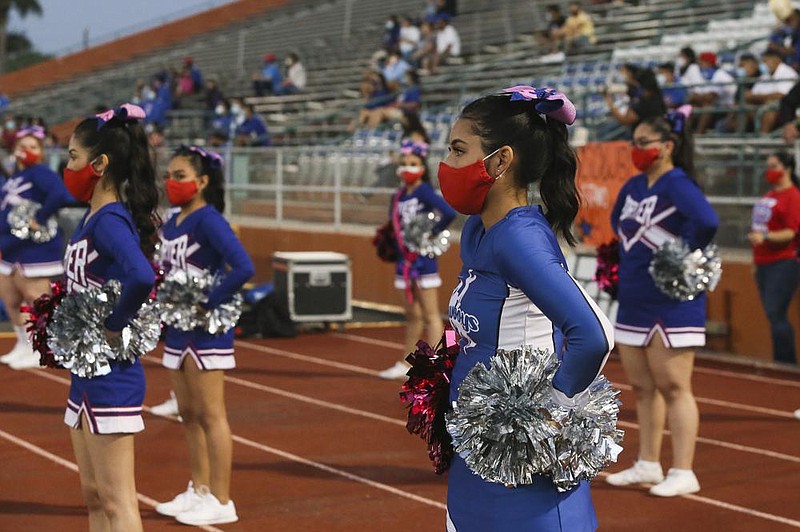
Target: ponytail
(788, 161)
(675, 127)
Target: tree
(23, 9)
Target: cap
(708, 57)
(187, 60)
(269, 58)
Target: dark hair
(412, 124)
(748, 57)
(787, 160)
(648, 82)
(669, 65)
(540, 145)
(683, 153)
(214, 193)
(769, 52)
(130, 169)
(690, 56)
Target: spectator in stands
(394, 70)
(423, 55)
(194, 74)
(644, 96)
(408, 101)
(156, 109)
(143, 92)
(269, 80)
(786, 40)
(10, 128)
(747, 73)
(673, 93)
(446, 7)
(773, 85)
(295, 75)
(773, 235)
(714, 98)
(787, 114)
(409, 38)
(688, 71)
(223, 121)
(548, 38)
(253, 131)
(448, 42)
(578, 30)
(4, 102)
(375, 94)
(213, 94)
(185, 82)
(391, 33)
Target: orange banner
(602, 170)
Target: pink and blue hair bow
(549, 102)
(126, 111)
(214, 159)
(678, 118)
(409, 147)
(36, 132)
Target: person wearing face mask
(644, 96)
(715, 94)
(514, 288)
(773, 85)
(109, 167)
(656, 335)
(199, 240)
(26, 267)
(417, 276)
(674, 94)
(773, 235)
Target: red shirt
(776, 211)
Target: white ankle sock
(22, 334)
(649, 464)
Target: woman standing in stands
(110, 167)
(514, 288)
(197, 239)
(773, 234)
(417, 276)
(657, 335)
(26, 267)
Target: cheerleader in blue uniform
(109, 166)
(26, 266)
(514, 288)
(417, 276)
(197, 239)
(657, 335)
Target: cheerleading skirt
(207, 351)
(424, 272)
(476, 505)
(680, 324)
(33, 270)
(34, 260)
(111, 403)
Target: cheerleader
(109, 166)
(417, 276)
(657, 335)
(26, 266)
(197, 239)
(514, 288)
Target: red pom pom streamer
(607, 273)
(40, 314)
(426, 394)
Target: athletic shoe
(16, 351)
(797, 413)
(209, 511)
(678, 482)
(398, 371)
(167, 408)
(27, 359)
(181, 503)
(642, 472)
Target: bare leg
(189, 410)
(12, 298)
(429, 302)
(650, 411)
(98, 521)
(414, 323)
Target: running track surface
(320, 445)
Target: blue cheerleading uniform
(514, 289)
(644, 218)
(105, 247)
(37, 183)
(423, 199)
(204, 241)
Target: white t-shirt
(297, 75)
(409, 39)
(781, 81)
(448, 36)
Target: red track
(320, 445)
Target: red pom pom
(385, 243)
(607, 273)
(40, 314)
(426, 393)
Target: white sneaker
(797, 413)
(181, 503)
(642, 472)
(209, 511)
(398, 371)
(27, 359)
(678, 482)
(16, 351)
(167, 408)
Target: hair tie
(409, 147)
(678, 118)
(126, 111)
(32, 131)
(214, 159)
(549, 102)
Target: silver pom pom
(508, 429)
(19, 221)
(681, 273)
(418, 235)
(77, 334)
(180, 297)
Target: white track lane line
(710, 371)
(704, 400)
(35, 449)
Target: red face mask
(465, 188)
(27, 158)
(773, 175)
(643, 159)
(410, 174)
(180, 193)
(80, 183)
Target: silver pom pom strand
(181, 295)
(19, 221)
(681, 273)
(418, 235)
